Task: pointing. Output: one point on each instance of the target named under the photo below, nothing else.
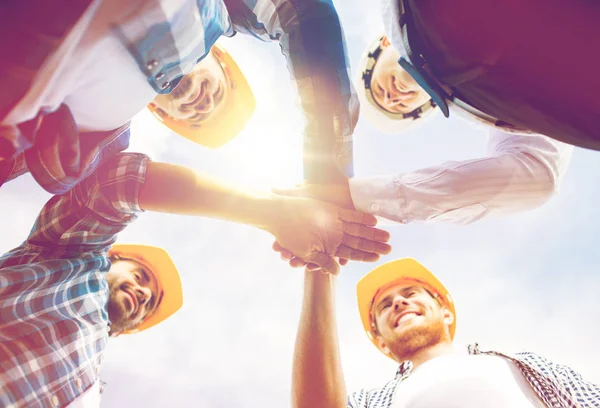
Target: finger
(342, 261)
(326, 262)
(366, 245)
(370, 233)
(283, 253)
(357, 217)
(346, 252)
(312, 267)
(286, 255)
(297, 263)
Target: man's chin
(118, 326)
(117, 316)
(411, 338)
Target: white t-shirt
(466, 381)
(93, 73)
(107, 92)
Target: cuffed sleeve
(89, 217)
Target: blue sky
(527, 281)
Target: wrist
(319, 281)
(274, 211)
(319, 291)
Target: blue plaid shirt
(168, 38)
(53, 292)
(558, 386)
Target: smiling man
(199, 93)
(70, 309)
(410, 316)
(391, 88)
(67, 288)
(135, 290)
(501, 63)
(211, 104)
(65, 291)
(80, 70)
(520, 172)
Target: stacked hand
(311, 232)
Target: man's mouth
(404, 316)
(132, 301)
(198, 97)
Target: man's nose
(207, 104)
(400, 302)
(391, 99)
(144, 294)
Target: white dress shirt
(520, 173)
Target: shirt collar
(404, 369)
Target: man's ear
(381, 344)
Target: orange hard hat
(158, 261)
(393, 272)
(222, 126)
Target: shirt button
(78, 382)
(54, 400)
(374, 207)
(165, 85)
(160, 76)
(152, 64)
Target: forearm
(312, 40)
(317, 378)
(458, 192)
(328, 100)
(176, 189)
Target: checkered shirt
(168, 44)
(53, 292)
(167, 38)
(558, 386)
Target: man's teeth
(406, 316)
